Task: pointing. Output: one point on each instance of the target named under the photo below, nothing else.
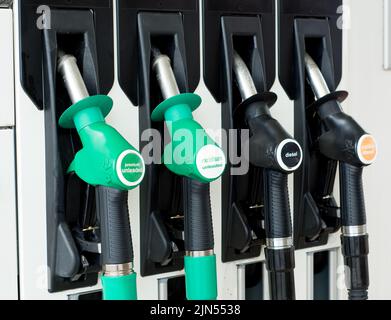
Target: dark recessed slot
(242, 195)
(319, 210)
(95, 295)
(321, 275)
(254, 281)
(69, 142)
(169, 193)
(80, 213)
(315, 47)
(176, 288)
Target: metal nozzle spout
(315, 78)
(243, 77)
(161, 65)
(72, 77)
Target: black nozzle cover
(267, 134)
(341, 132)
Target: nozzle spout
(243, 77)
(315, 78)
(72, 77)
(165, 76)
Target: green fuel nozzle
(191, 152)
(195, 156)
(106, 158)
(111, 164)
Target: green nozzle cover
(191, 152)
(106, 158)
(201, 278)
(184, 103)
(119, 288)
(74, 117)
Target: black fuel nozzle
(270, 145)
(274, 150)
(344, 140)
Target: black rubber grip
(352, 195)
(280, 265)
(198, 216)
(355, 252)
(116, 239)
(278, 222)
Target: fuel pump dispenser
(274, 150)
(68, 222)
(241, 29)
(108, 162)
(202, 163)
(159, 61)
(310, 58)
(344, 140)
(239, 70)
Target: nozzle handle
(198, 216)
(278, 223)
(116, 240)
(352, 195)
(354, 237)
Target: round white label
(210, 161)
(289, 155)
(130, 168)
(367, 149)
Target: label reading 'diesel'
(210, 161)
(289, 155)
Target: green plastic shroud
(191, 152)
(106, 158)
(200, 277)
(120, 288)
